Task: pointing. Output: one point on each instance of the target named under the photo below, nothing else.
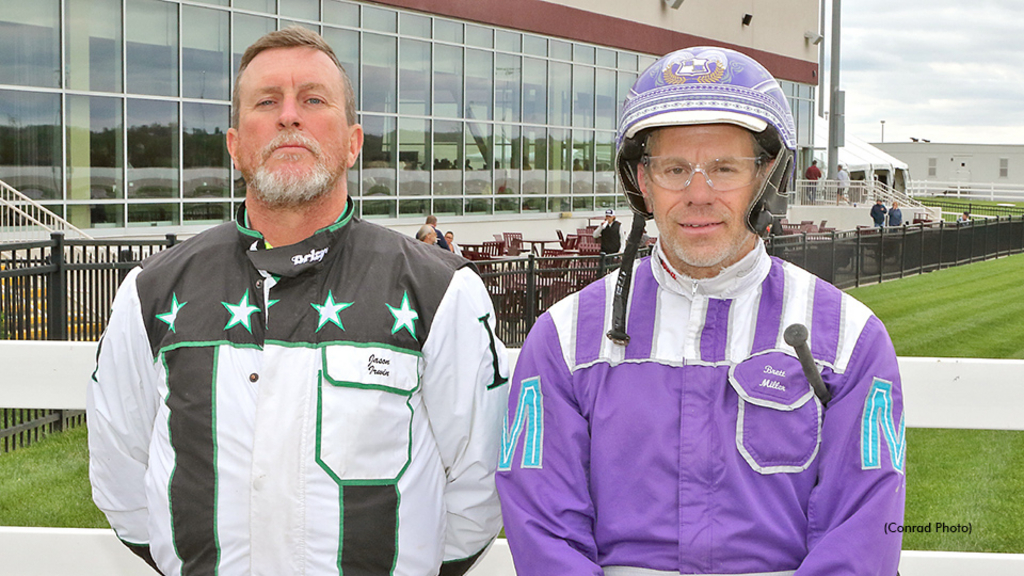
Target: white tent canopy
(862, 160)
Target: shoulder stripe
(643, 312)
(828, 305)
(769, 310)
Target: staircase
(24, 219)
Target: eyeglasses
(721, 174)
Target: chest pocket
(365, 406)
(778, 425)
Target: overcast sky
(945, 70)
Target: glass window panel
(447, 158)
(342, 13)
(479, 84)
(534, 204)
(606, 57)
(206, 164)
(582, 162)
(378, 208)
(207, 212)
(584, 203)
(93, 40)
(560, 50)
(606, 202)
(447, 81)
(625, 83)
(559, 161)
(604, 163)
(30, 143)
(152, 149)
(414, 77)
(583, 54)
(643, 62)
(447, 31)
(479, 158)
(95, 149)
(535, 45)
(535, 158)
(380, 74)
(414, 25)
(627, 61)
(447, 207)
(507, 205)
(266, 6)
(379, 156)
(583, 96)
(212, 2)
(805, 114)
(30, 43)
(379, 19)
(535, 91)
(413, 157)
(559, 204)
(605, 99)
(479, 36)
(302, 9)
(345, 44)
(307, 25)
(414, 207)
(103, 215)
(508, 41)
(204, 54)
(153, 215)
(479, 206)
(559, 93)
(506, 159)
(508, 74)
(248, 29)
(151, 52)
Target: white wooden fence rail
(938, 393)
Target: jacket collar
(747, 274)
(294, 259)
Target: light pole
(883, 131)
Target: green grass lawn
(971, 477)
(47, 484)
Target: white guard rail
(938, 393)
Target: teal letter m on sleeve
(528, 419)
(878, 422)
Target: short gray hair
(293, 37)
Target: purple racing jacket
(700, 447)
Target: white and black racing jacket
(329, 407)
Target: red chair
(513, 243)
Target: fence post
(531, 291)
(835, 267)
(903, 251)
(881, 252)
(858, 261)
(57, 317)
(172, 239)
(602, 265)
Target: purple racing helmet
(708, 85)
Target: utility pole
(837, 100)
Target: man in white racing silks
(299, 392)
(659, 423)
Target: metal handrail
(19, 213)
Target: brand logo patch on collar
(313, 255)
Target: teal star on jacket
(241, 313)
(330, 311)
(172, 316)
(405, 316)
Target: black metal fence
(20, 428)
(869, 255)
(62, 290)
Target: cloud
(935, 69)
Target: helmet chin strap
(621, 297)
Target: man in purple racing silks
(659, 421)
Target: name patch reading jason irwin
(929, 528)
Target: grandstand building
(113, 112)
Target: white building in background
(493, 114)
(966, 163)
